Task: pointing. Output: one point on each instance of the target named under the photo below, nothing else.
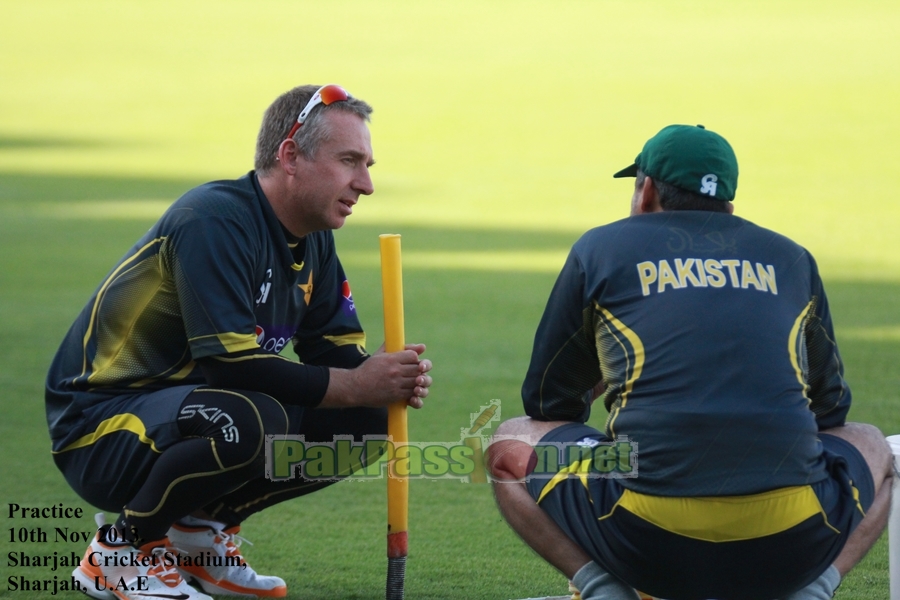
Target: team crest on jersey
(347, 301)
(307, 288)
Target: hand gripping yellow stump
(397, 486)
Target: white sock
(595, 584)
(198, 522)
(820, 589)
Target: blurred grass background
(497, 127)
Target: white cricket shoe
(212, 558)
(109, 571)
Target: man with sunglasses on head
(725, 468)
(161, 395)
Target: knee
(270, 413)
(514, 426)
(509, 459)
(872, 444)
(235, 422)
(875, 444)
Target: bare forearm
(343, 386)
(384, 378)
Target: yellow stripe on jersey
(232, 342)
(177, 376)
(184, 372)
(347, 339)
(123, 422)
(126, 264)
(633, 372)
(794, 341)
(115, 345)
(727, 518)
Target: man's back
(706, 327)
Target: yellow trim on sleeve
(347, 339)
(123, 422)
(233, 342)
(184, 372)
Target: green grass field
(497, 127)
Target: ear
(648, 201)
(287, 156)
(730, 208)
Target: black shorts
(738, 547)
(120, 439)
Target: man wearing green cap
(725, 468)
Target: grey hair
(281, 116)
(675, 198)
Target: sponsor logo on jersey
(264, 289)
(348, 305)
(273, 342)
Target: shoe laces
(232, 542)
(164, 569)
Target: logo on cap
(678, 154)
(708, 185)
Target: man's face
(326, 188)
(636, 200)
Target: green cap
(691, 158)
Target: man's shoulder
(639, 229)
(230, 203)
(222, 197)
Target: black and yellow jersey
(714, 339)
(216, 275)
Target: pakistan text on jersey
(696, 272)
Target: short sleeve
(564, 365)
(331, 327)
(211, 262)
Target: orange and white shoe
(110, 570)
(212, 558)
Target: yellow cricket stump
(397, 487)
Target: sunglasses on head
(324, 95)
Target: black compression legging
(220, 463)
(317, 425)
